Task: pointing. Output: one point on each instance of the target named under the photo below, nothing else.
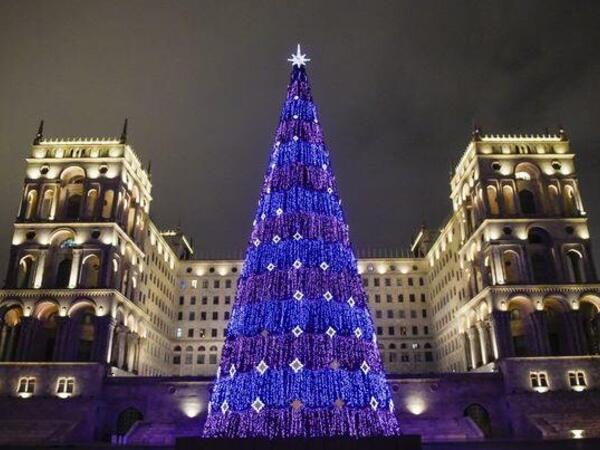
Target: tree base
(405, 442)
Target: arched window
(518, 328)
(212, 357)
(25, 276)
(512, 267)
(554, 200)
(189, 355)
(90, 272)
(527, 179)
(481, 417)
(201, 357)
(126, 420)
(31, 205)
(542, 261)
(45, 338)
(90, 204)
(72, 180)
(591, 319)
(509, 200)
(527, 200)
(11, 328)
(86, 328)
(575, 266)
(63, 272)
(492, 195)
(108, 204)
(571, 208)
(47, 209)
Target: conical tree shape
(300, 357)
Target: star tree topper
(299, 59)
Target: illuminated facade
(506, 289)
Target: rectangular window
(203, 315)
(217, 284)
(425, 330)
(388, 282)
(429, 356)
(26, 387)
(402, 331)
(379, 331)
(404, 357)
(189, 358)
(177, 359)
(424, 313)
(376, 282)
(65, 386)
(193, 300)
(377, 314)
(216, 300)
(205, 300)
(205, 284)
(194, 284)
(227, 299)
(365, 282)
(415, 331)
(413, 314)
(577, 380)
(377, 298)
(398, 281)
(390, 314)
(388, 298)
(401, 314)
(180, 315)
(226, 315)
(421, 282)
(539, 381)
(212, 358)
(181, 299)
(191, 332)
(423, 298)
(201, 332)
(200, 358)
(391, 331)
(178, 332)
(227, 284)
(412, 298)
(192, 315)
(213, 332)
(400, 298)
(215, 315)
(410, 281)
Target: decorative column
(75, 269)
(29, 330)
(3, 339)
(39, 269)
(539, 333)
(104, 329)
(502, 336)
(121, 346)
(576, 344)
(483, 343)
(467, 351)
(132, 342)
(473, 345)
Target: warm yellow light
(416, 405)
(191, 408)
(577, 434)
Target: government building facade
(489, 328)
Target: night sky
(398, 84)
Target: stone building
(107, 313)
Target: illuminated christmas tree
(300, 357)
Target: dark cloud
(398, 84)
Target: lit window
(577, 380)
(179, 332)
(65, 387)
(539, 381)
(26, 387)
(194, 284)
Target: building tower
(72, 290)
(522, 252)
